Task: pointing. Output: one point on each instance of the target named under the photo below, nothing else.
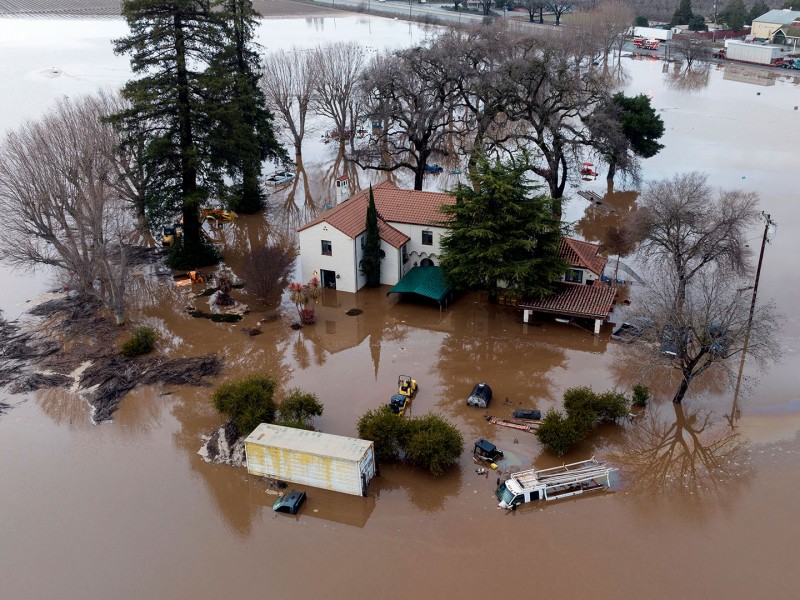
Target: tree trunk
(678, 398)
(419, 174)
(612, 170)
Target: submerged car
(672, 339)
(280, 177)
(632, 330)
(480, 396)
(399, 403)
(528, 413)
(486, 450)
(290, 502)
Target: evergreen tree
(683, 14)
(371, 262)
(501, 232)
(735, 14)
(171, 45)
(640, 124)
(759, 8)
(244, 137)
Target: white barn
(411, 227)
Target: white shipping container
(322, 460)
(754, 53)
(651, 33)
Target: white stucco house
(411, 228)
(585, 263)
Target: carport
(428, 282)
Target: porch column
(597, 324)
(526, 315)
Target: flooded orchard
(703, 505)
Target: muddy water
(128, 510)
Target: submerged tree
(371, 261)
(243, 137)
(502, 233)
(61, 204)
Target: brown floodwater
(127, 509)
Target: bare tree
(559, 7)
(535, 7)
(268, 270)
(682, 223)
(415, 107)
(335, 72)
(691, 48)
(61, 205)
(287, 83)
(609, 23)
(705, 324)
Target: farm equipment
(406, 386)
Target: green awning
(423, 281)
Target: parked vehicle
(652, 33)
(480, 396)
(290, 502)
(331, 462)
(528, 413)
(280, 177)
(399, 403)
(552, 484)
(672, 338)
(790, 63)
(170, 235)
(757, 54)
(632, 330)
(406, 386)
(486, 450)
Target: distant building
(411, 228)
(769, 24)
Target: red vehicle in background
(646, 44)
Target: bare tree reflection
(688, 454)
(690, 79)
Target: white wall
(416, 250)
(587, 275)
(342, 259)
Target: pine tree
(683, 14)
(501, 232)
(171, 45)
(759, 8)
(244, 137)
(735, 14)
(641, 126)
(371, 262)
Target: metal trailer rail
(567, 480)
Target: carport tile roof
(394, 206)
(576, 300)
(582, 254)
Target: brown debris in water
(38, 381)
(116, 375)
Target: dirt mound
(224, 446)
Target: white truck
(760, 54)
(331, 462)
(554, 483)
(652, 33)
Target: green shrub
(641, 395)
(299, 407)
(433, 444)
(558, 433)
(429, 442)
(611, 405)
(142, 341)
(385, 429)
(247, 402)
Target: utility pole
(765, 238)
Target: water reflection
(426, 492)
(615, 211)
(691, 453)
(690, 79)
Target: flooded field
(127, 509)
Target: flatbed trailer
(554, 483)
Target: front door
(328, 279)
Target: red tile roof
(394, 206)
(576, 300)
(583, 255)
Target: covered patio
(427, 282)
(574, 300)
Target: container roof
(311, 442)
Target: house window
(327, 248)
(405, 254)
(574, 276)
(363, 241)
(427, 238)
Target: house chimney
(342, 189)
